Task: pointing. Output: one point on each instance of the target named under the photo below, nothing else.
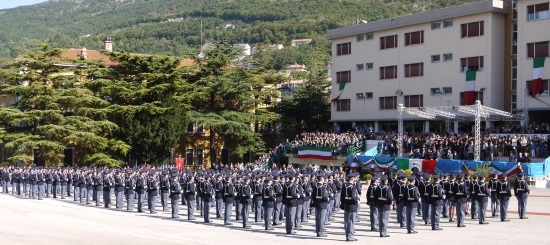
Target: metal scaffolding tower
(450, 112)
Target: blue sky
(5, 4)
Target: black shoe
(412, 232)
(246, 226)
(445, 216)
(505, 220)
(352, 240)
(483, 223)
(437, 229)
(269, 229)
(384, 235)
(324, 235)
(524, 217)
(461, 226)
(298, 226)
(191, 219)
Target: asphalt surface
(55, 221)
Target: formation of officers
(274, 197)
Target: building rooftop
(495, 6)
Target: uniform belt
(188, 191)
(266, 196)
(348, 198)
(256, 193)
(426, 194)
(383, 199)
(288, 196)
(319, 197)
(411, 199)
(450, 192)
(461, 194)
(503, 192)
(520, 189)
(400, 195)
(481, 194)
(435, 196)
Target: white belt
(188, 191)
(520, 189)
(481, 194)
(288, 196)
(411, 199)
(450, 192)
(266, 196)
(348, 198)
(400, 195)
(434, 195)
(383, 199)
(256, 193)
(503, 192)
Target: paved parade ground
(55, 221)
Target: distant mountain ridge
(172, 27)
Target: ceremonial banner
(428, 165)
(319, 153)
(448, 166)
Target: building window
(388, 72)
(370, 36)
(478, 96)
(360, 67)
(343, 49)
(413, 38)
(388, 42)
(436, 58)
(190, 128)
(447, 23)
(414, 100)
(435, 91)
(545, 87)
(414, 70)
(473, 29)
(514, 100)
(471, 64)
(369, 66)
(343, 77)
(436, 25)
(360, 96)
(189, 157)
(343, 105)
(388, 103)
(368, 95)
(514, 85)
(199, 157)
(538, 12)
(360, 38)
(447, 57)
(447, 90)
(538, 49)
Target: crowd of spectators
(338, 142)
(533, 128)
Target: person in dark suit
(504, 194)
(411, 199)
(152, 191)
(268, 203)
(218, 188)
(349, 200)
(521, 191)
(495, 205)
(373, 209)
(208, 195)
(190, 195)
(229, 195)
(461, 194)
(290, 196)
(482, 193)
(246, 200)
(320, 202)
(435, 192)
(383, 198)
(175, 192)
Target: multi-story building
(530, 31)
(421, 60)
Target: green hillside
(172, 27)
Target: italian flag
(538, 71)
(470, 88)
(341, 87)
(407, 163)
(424, 165)
(319, 153)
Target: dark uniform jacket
(383, 197)
(350, 198)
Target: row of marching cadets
(277, 197)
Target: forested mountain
(172, 27)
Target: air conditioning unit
(360, 96)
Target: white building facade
(420, 60)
